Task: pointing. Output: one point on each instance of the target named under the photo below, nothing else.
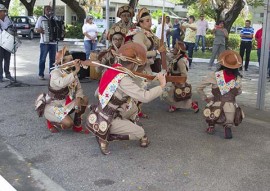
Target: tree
(15, 9)
(29, 6)
(227, 10)
(38, 11)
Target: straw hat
(116, 29)
(180, 46)
(141, 12)
(125, 8)
(2, 7)
(132, 52)
(230, 59)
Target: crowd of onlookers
(193, 33)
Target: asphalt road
(181, 155)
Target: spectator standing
(246, 35)
(45, 48)
(176, 32)
(90, 35)
(190, 29)
(159, 30)
(168, 31)
(219, 42)
(258, 38)
(202, 26)
(5, 23)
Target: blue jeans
(168, 41)
(89, 46)
(44, 50)
(190, 47)
(174, 37)
(198, 37)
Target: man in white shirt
(5, 23)
(45, 48)
(202, 26)
(159, 29)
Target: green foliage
(38, 11)
(233, 42)
(74, 31)
(96, 15)
(15, 8)
(156, 14)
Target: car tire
(31, 35)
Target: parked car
(25, 26)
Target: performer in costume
(125, 13)
(64, 96)
(179, 95)
(116, 36)
(226, 85)
(143, 35)
(115, 90)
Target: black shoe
(228, 133)
(10, 78)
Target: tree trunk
(29, 6)
(5, 2)
(75, 6)
(233, 13)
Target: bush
(233, 41)
(74, 31)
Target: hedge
(233, 42)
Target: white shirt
(159, 30)
(5, 24)
(90, 29)
(202, 26)
(39, 25)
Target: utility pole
(107, 19)
(264, 57)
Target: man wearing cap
(116, 37)
(45, 48)
(116, 89)
(5, 23)
(226, 85)
(125, 13)
(65, 95)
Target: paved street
(181, 155)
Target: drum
(7, 42)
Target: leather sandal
(144, 142)
(103, 145)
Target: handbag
(182, 92)
(214, 114)
(239, 115)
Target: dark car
(25, 26)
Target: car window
(20, 20)
(32, 21)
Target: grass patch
(208, 54)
